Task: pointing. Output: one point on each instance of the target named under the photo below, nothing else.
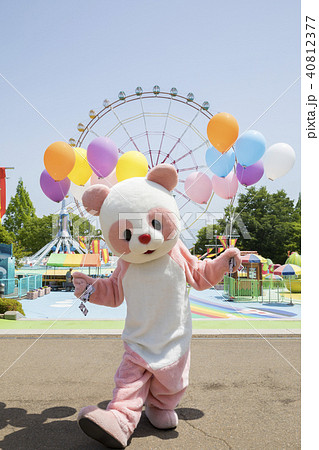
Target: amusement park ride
(63, 241)
(165, 127)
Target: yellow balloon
(131, 164)
(81, 171)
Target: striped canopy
(74, 260)
(288, 269)
(272, 276)
(253, 258)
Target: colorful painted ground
(212, 305)
(208, 304)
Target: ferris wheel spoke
(164, 130)
(186, 169)
(93, 132)
(181, 194)
(194, 160)
(140, 131)
(146, 132)
(182, 135)
(124, 127)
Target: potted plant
(40, 292)
(32, 295)
(47, 289)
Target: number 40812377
(310, 47)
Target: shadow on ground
(52, 430)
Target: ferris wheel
(165, 127)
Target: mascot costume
(141, 224)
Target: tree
(18, 250)
(81, 226)
(205, 238)
(19, 209)
(39, 231)
(36, 233)
(272, 223)
(5, 236)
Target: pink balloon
(108, 181)
(198, 187)
(225, 187)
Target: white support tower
(62, 243)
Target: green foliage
(19, 253)
(36, 233)
(9, 304)
(272, 221)
(205, 237)
(30, 233)
(81, 226)
(18, 250)
(19, 209)
(5, 236)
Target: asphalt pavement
(244, 393)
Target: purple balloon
(55, 190)
(250, 174)
(102, 155)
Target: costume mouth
(149, 252)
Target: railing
(18, 287)
(254, 290)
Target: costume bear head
(139, 217)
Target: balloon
(225, 187)
(77, 191)
(198, 187)
(59, 160)
(251, 174)
(81, 171)
(220, 164)
(250, 147)
(102, 156)
(222, 131)
(131, 164)
(278, 160)
(55, 190)
(108, 181)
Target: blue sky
(66, 56)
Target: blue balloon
(250, 147)
(219, 163)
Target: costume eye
(127, 235)
(156, 224)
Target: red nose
(144, 238)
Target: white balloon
(278, 160)
(78, 191)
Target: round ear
(93, 198)
(165, 175)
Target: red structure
(2, 191)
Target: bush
(9, 304)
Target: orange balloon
(222, 131)
(59, 160)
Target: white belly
(158, 324)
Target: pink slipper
(102, 426)
(163, 419)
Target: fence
(256, 290)
(18, 287)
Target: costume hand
(228, 255)
(80, 281)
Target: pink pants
(138, 384)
